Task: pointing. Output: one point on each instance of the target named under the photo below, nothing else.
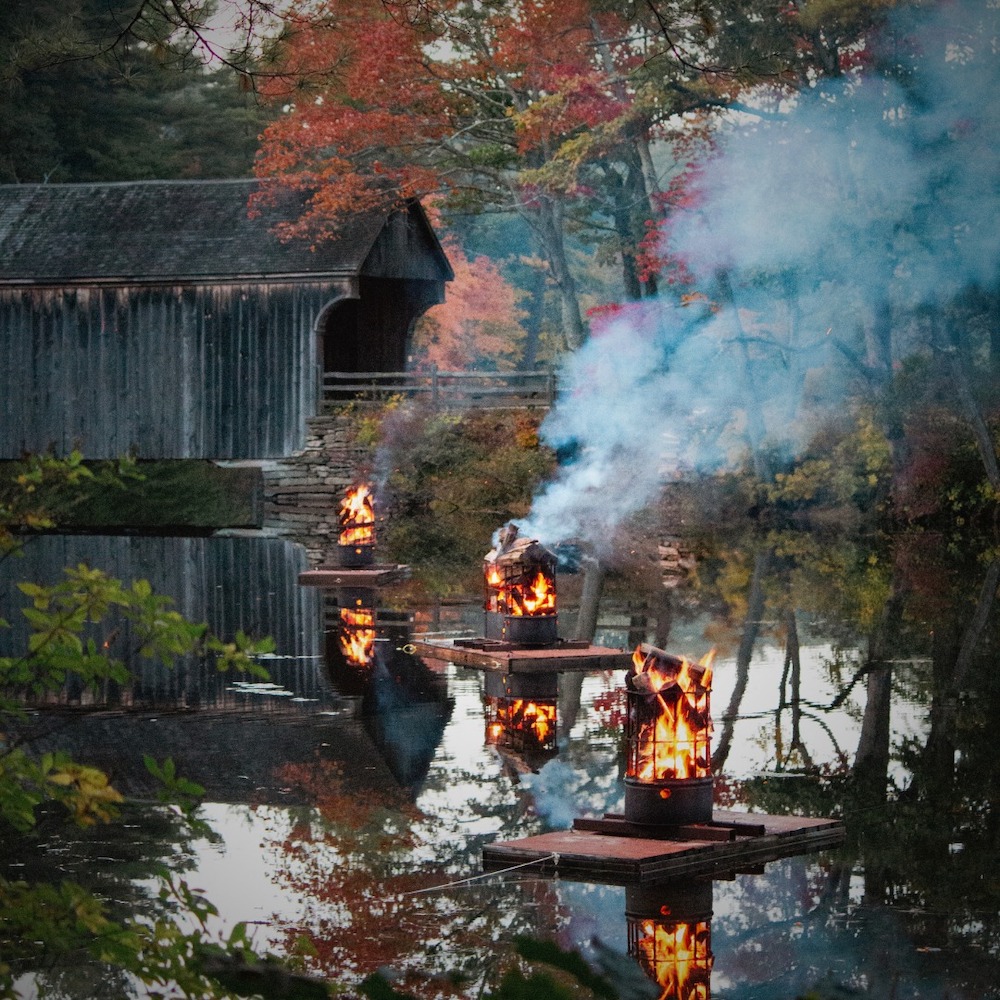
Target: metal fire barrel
(523, 630)
(657, 795)
(355, 556)
(669, 802)
(688, 901)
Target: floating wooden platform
(343, 576)
(731, 842)
(507, 659)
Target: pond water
(351, 800)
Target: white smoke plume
(877, 191)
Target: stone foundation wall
(302, 494)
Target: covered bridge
(158, 318)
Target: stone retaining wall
(302, 494)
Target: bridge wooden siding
(159, 318)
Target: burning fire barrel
(668, 772)
(356, 541)
(520, 591)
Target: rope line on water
(473, 878)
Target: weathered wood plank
(602, 857)
(527, 661)
(370, 576)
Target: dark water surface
(853, 678)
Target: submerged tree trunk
(871, 761)
(949, 344)
(793, 672)
(751, 629)
(571, 684)
(590, 599)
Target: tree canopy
(550, 110)
(101, 90)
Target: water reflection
(521, 712)
(404, 705)
(854, 677)
(233, 584)
(670, 935)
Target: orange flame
(357, 517)
(357, 635)
(675, 743)
(535, 598)
(522, 595)
(679, 957)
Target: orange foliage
(357, 94)
(479, 323)
(358, 864)
(376, 111)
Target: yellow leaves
(85, 791)
(89, 914)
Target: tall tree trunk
(756, 429)
(875, 367)
(977, 623)
(622, 218)
(548, 219)
(949, 344)
(640, 186)
(534, 320)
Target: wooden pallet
(731, 842)
(507, 659)
(365, 576)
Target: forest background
(758, 239)
(791, 206)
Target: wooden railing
(442, 390)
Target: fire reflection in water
(356, 635)
(521, 724)
(520, 714)
(670, 934)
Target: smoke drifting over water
(875, 193)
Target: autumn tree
(825, 229)
(478, 326)
(542, 109)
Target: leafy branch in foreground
(40, 488)
(89, 627)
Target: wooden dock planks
(367, 576)
(572, 657)
(619, 860)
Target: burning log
(520, 603)
(356, 540)
(668, 774)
